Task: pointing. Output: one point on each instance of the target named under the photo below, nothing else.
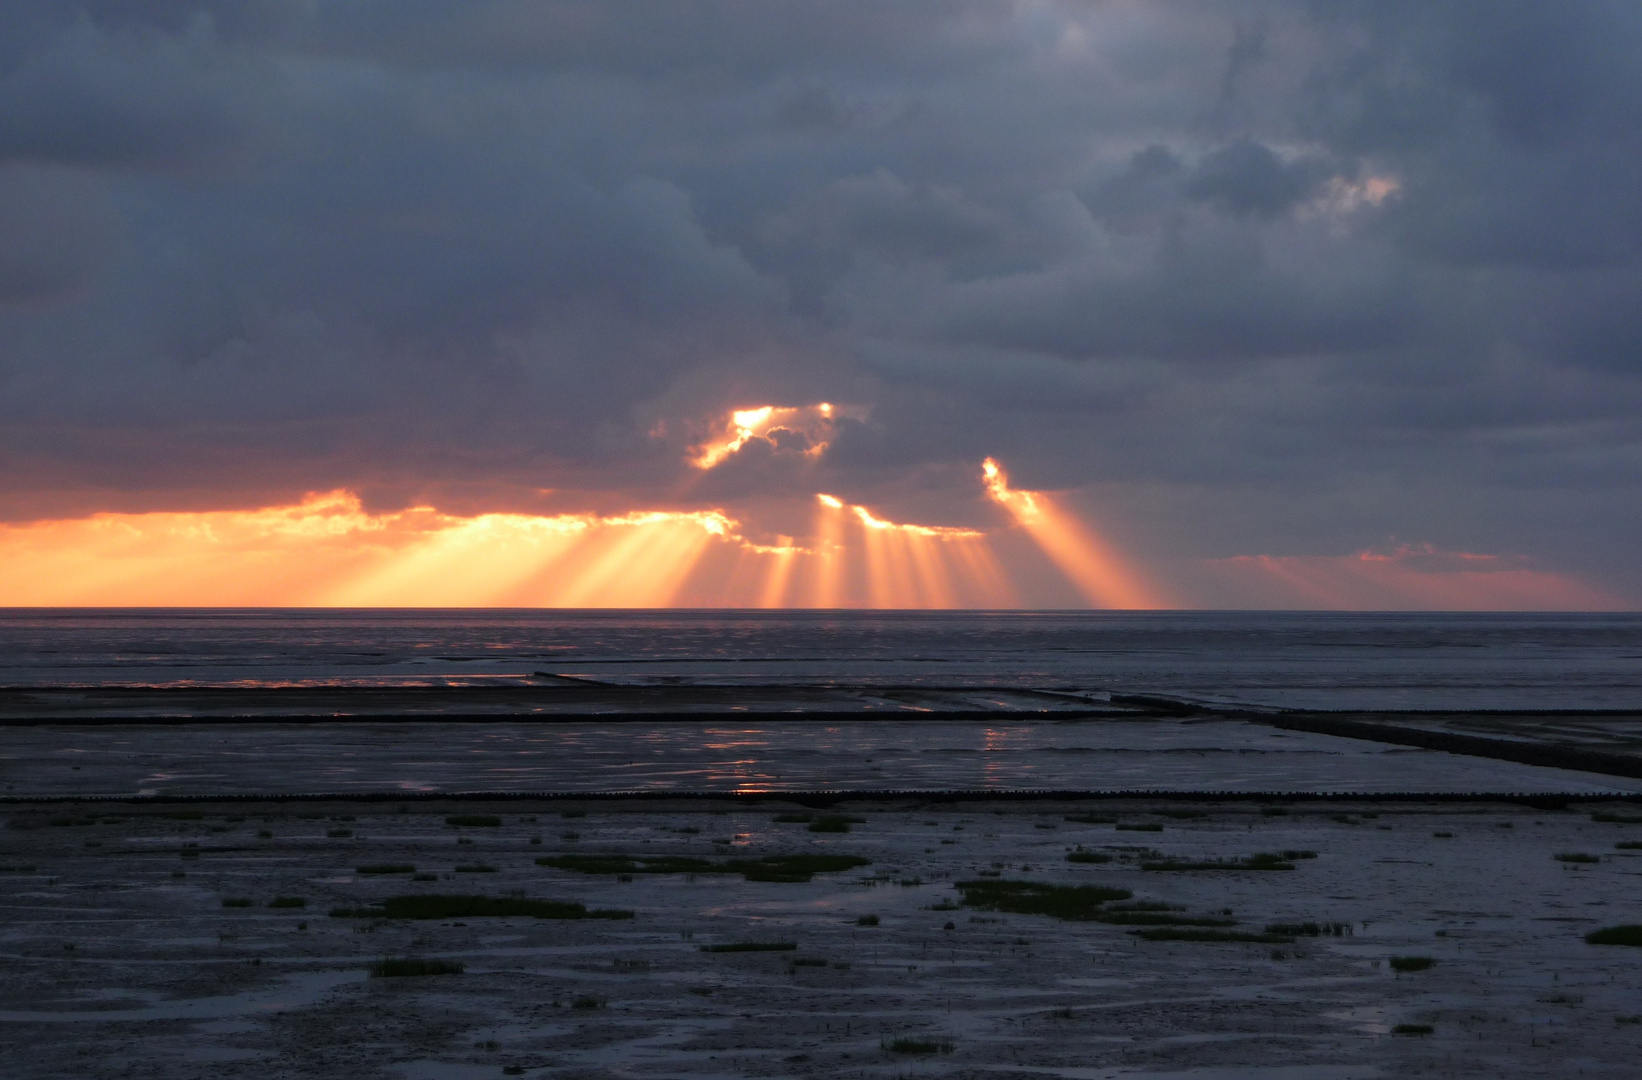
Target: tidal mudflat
(726, 754)
(1085, 939)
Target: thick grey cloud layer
(1259, 276)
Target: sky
(1249, 303)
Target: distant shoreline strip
(823, 798)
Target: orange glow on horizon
(1097, 571)
(1409, 577)
(327, 551)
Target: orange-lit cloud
(1409, 577)
(801, 429)
(1103, 578)
(328, 551)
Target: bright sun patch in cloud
(1342, 196)
(800, 429)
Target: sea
(1358, 662)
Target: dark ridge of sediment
(1548, 755)
(741, 716)
(563, 699)
(823, 799)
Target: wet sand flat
(123, 960)
(726, 754)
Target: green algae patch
(1261, 861)
(406, 966)
(1616, 935)
(777, 868)
(1074, 903)
(1192, 933)
(1310, 929)
(1158, 918)
(835, 823)
(437, 906)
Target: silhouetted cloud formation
(1279, 277)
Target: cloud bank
(1246, 279)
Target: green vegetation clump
(236, 901)
(1259, 861)
(1410, 963)
(1082, 856)
(437, 906)
(392, 969)
(1278, 811)
(386, 868)
(338, 834)
(1615, 935)
(1629, 845)
(475, 868)
(866, 920)
(751, 946)
(918, 1046)
(1144, 905)
(1091, 819)
(1310, 929)
(1618, 819)
(288, 902)
(835, 823)
(1186, 933)
(777, 868)
(1076, 903)
(1412, 1029)
(474, 820)
(1139, 826)
(1576, 857)
(1159, 918)
(587, 1001)
(795, 819)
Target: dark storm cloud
(1383, 251)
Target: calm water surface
(1312, 660)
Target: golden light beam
(1078, 552)
(826, 585)
(328, 551)
(778, 575)
(485, 560)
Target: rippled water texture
(1358, 661)
(792, 756)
